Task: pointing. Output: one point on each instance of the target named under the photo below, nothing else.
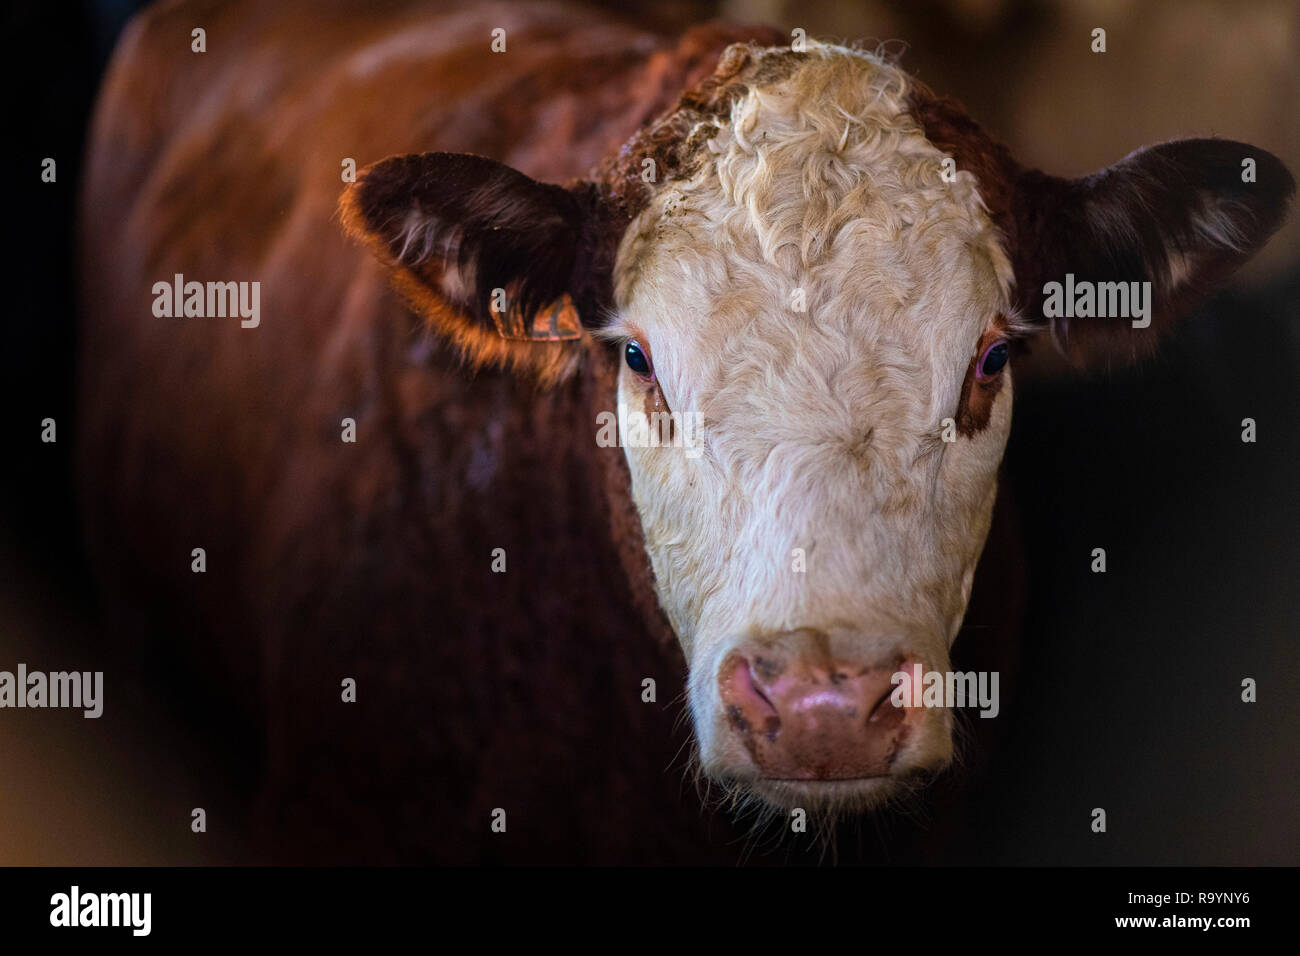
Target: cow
(629, 378)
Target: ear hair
(459, 233)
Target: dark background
(1130, 691)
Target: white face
(815, 293)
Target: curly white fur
(822, 428)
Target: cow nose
(805, 716)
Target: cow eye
(992, 361)
(638, 360)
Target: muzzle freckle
(737, 718)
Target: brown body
(372, 560)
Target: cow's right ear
(495, 261)
(1173, 220)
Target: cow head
(822, 274)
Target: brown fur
(373, 561)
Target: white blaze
(820, 426)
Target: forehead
(807, 207)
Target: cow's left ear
(502, 265)
(1181, 216)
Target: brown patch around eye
(976, 405)
(656, 405)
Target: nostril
(748, 708)
(884, 706)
